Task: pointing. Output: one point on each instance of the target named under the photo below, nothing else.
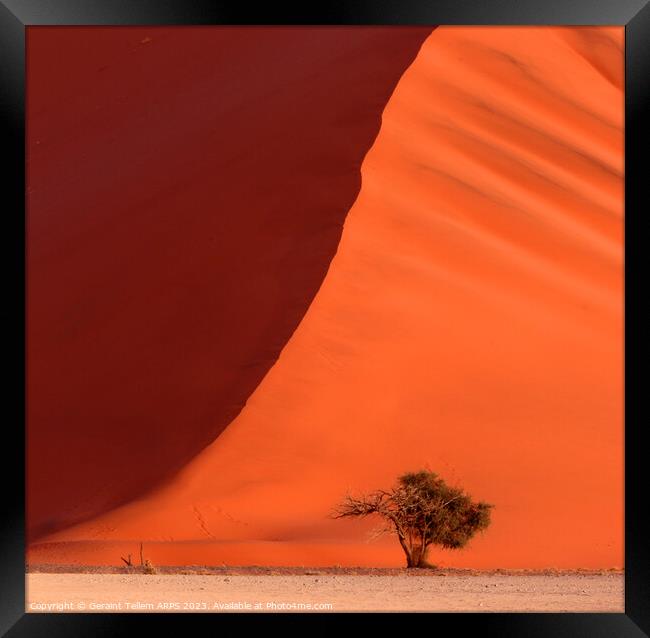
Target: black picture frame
(18, 15)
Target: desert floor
(319, 590)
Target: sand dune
(471, 322)
(187, 191)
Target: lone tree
(422, 510)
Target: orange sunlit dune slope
(470, 322)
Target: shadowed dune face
(471, 322)
(186, 191)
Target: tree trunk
(417, 557)
(405, 547)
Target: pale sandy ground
(214, 593)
